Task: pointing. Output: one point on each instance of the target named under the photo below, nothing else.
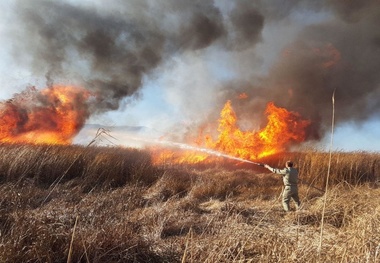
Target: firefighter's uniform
(290, 178)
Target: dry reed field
(105, 204)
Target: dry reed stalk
(189, 239)
(328, 175)
(72, 240)
(85, 252)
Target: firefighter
(290, 178)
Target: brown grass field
(108, 204)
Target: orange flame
(50, 116)
(282, 130)
(166, 156)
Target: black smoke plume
(111, 49)
(115, 49)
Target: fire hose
(259, 164)
(310, 185)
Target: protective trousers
(290, 192)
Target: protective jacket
(289, 175)
(290, 178)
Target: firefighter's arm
(274, 170)
(269, 168)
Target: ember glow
(283, 129)
(51, 116)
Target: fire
(50, 116)
(283, 129)
(161, 156)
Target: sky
(170, 65)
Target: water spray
(193, 148)
(211, 152)
(205, 150)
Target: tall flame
(283, 129)
(50, 116)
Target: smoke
(339, 53)
(112, 48)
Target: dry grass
(123, 209)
